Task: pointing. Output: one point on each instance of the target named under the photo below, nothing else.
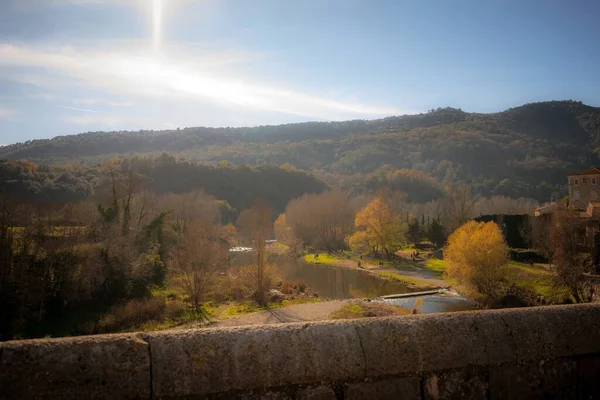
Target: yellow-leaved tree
(379, 227)
(477, 255)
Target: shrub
(133, 314)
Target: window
(593, 181)
(576, 182)
(583, 180)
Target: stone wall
(549, 352)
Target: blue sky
(71, 66)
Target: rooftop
(590, 171)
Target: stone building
(584, 187)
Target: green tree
(436, 234)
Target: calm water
(436, 303)
(344, 283)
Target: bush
(135, 313)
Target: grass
(407, 280)
(436, 265)
(323, 258)
(241, 308)
(535, 278)
(361, 309)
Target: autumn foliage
(379, 227)
(476, 255)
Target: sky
(72, 66)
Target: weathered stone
(400, 389)
(404, 345)
(588, 369)
(552, 332)
(459, 384)
(94, 367)
(555, 379)
(208, 361)
(316, 393)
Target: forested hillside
(236, 186)
(521, 152)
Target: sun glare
(157, 16)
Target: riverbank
(418, 274)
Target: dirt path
(296, 313)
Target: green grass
(436, 265)
(535, 278)
(241, 308)
(324, 258)
(535, 270)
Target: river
(334, 282)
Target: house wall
(540, 352)
(582, 190)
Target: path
(296, 313)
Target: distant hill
(521, 152)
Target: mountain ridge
(524, 151)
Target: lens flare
(157, 17)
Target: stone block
(205, 361)
(554, 379)
(552, 332)
(397, 388)
(316, 393)
(413, 344)
(93, 367)
(459, 384)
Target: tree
(477, 255)
(256, 226)
(414, 233)
(322, 221)
(436, 234)
(458, 206)
(195, 262)
(383, 228)
(285, 235)
(571, 257)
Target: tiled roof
(595, 203)
(591, 171)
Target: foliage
(477, 255)
(523, 151)
(322, 221)
(414, 232)
(382, 227)
(285, 235)
(570, 258)
(436, 234)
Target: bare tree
(324, 220)
(195, 262)
(458, 206)
(257, 227)
(571, 257)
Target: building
(584, 187)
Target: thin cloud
(213, 77)
(96, 120)
(6, 113)
(103, 102)
(79, 109)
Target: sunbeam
(157, 17)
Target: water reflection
(328, 281)
(436, 303)
(344, 283)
